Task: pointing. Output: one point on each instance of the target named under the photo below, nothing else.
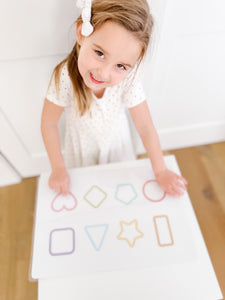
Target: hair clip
(85, 6)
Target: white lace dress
(104, 136)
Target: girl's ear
(80, 37)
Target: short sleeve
(133, 91)
(64, 96)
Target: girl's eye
(121, 67)
(99, 53)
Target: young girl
(94, 85)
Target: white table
(189, 280)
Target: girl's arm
(59, 179)
(171, 182)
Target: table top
(193, 278)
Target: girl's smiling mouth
(93, 79)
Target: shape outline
(125, 184)
(63, 206)
(85, 196)
(143, 190)
(50, 241)
(157, 232)
(103, 237)
(127, 240)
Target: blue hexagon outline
(125, 184)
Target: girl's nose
(105, 72)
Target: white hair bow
(85, 6)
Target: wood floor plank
(16, 226)
(202, 189)
(215, 166)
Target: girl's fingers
(60, 187)
(182, 179)
(57, 189)
(177, 191)
(54, 186)
(65, 186)
(172, 192)
(174, 184)
(169, 190)
(181, 185)
(65, 189)
(50, 184)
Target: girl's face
(106, 56)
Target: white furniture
(188, 275)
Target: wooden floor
(203, 167)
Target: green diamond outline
(95, 186)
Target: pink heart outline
(63, 206)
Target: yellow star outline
(119, 237)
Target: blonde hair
(133, 15)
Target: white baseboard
(188, 136)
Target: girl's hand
(59, 181)
(171, 183)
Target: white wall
(186, 90)
(184, 80)
(7, 174)
(35, 36)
